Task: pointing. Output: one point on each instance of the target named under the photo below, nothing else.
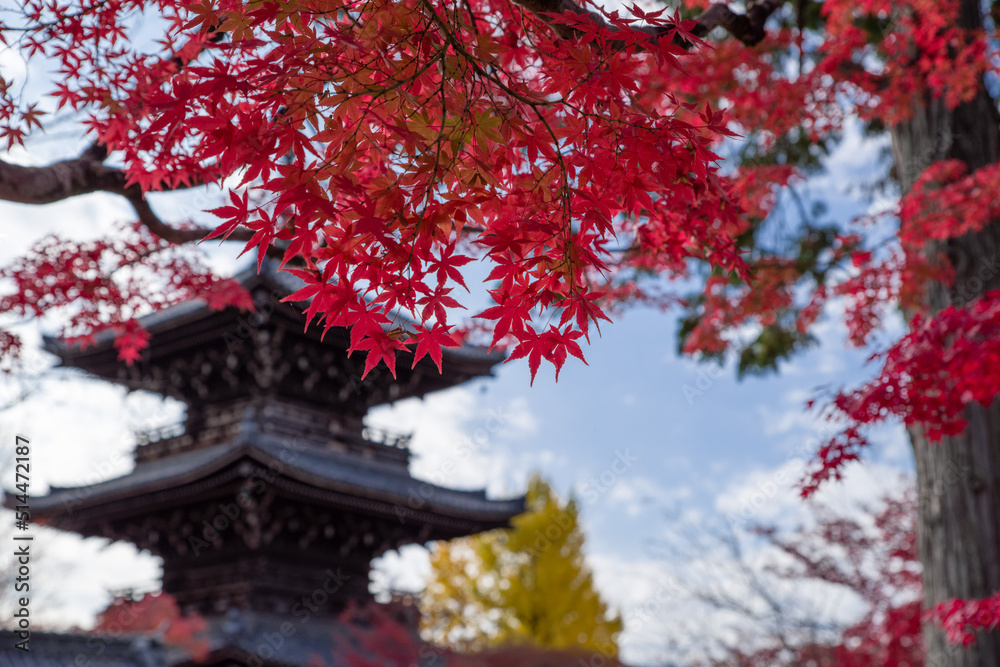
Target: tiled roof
(50, 649)
(343, 472)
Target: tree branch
(747, 28)
(165, 231)
(85, 175)
(60, 180)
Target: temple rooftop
(339, 477)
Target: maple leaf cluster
(949, 359)
(104, 285)
(382, 636)
(947, 202)
(961, 619)
(880, 565)
(877, 61)
(381, 145)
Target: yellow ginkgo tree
(526, 585)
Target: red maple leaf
(130, 342)
(430, 342)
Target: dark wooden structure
(272, 499)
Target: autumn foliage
(527, 586)
(156, 614)
(380, 147)
(381, 638)
(376, 635)
(76, 278)
(868, 558)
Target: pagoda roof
(337, 478)
(235, 638)
(190, 327)
(55, 649)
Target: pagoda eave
(307, 474)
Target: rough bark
(958, 479)
(60, 180)
(85, 175)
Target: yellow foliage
(527, 585)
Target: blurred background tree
(527, 585)
(842, 589)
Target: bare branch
(165, 231)
(747, 28)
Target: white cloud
(649, 600)
(455, 438)
(406, 569)
(772, 496)
(636, 494)
(92, 216)
(660, 595)
(856, 156)
(72, 579)
(797, 420)
(81, 430)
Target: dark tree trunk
(958, 479)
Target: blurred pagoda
(272, 496)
